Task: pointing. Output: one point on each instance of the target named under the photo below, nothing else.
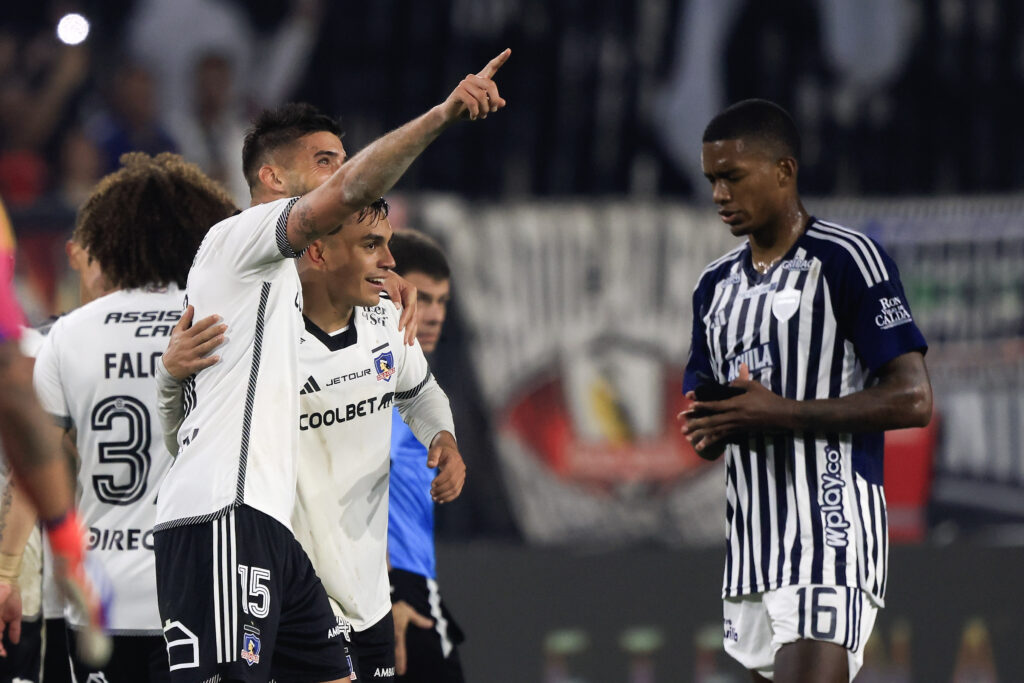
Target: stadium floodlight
(72, 29)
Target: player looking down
(809, 320)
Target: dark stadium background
(910, 116)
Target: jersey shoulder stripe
(863, 246)
(870, 279)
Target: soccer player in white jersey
(356, 367)
(260, 611)
(810, 322)
(95, 371)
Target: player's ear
(315, 253)
(785, 171)
(270, 177)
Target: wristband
(10, 567)
(66, 535)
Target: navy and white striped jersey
(804, 508)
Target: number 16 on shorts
(831, 613)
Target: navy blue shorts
(373, 651)
(432, 654)
(134, 659)
(239, 599)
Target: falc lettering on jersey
(130, 365)
(832, 486)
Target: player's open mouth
(376, 281)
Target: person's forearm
(365, 177)
(875, 409)
(170, 407)
(17, 519)
(30, 440)
(428, 413)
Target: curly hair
(280, 127)
(145, 221)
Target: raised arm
(375, 169)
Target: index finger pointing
(495, 64)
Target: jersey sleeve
(418, 397)
(698, 363)
(46, 378)
(872, 308)
(259, 235)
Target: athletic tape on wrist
(10, 567)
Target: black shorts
(23, 658)
(373, 651)
(56, 663)
(134, 659)
(239, 599)
(432, 655)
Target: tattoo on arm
(6, 501)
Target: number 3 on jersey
(133, 451)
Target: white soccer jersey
(94, 373)
(351, 380)
(805, 508)
(238, 440)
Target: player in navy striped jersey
(809, 320)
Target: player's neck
(325, 313)
(774, 241)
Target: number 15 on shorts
(255, 590)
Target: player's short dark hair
(758, 120)
(378, 210)
(276, 128)
(414, 252)
(145, 221)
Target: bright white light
(72, 29)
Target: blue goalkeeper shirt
(410, 507)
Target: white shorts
(757, 625)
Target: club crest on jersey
(385, 366)
(785, 304)
(251, 648)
